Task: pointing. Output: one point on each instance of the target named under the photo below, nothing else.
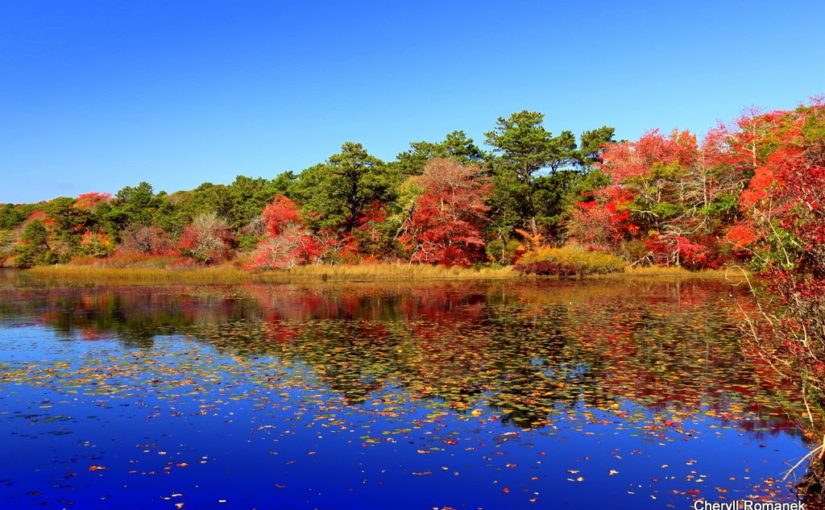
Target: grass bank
(677, 273)
(229, 274)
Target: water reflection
(528, 350)
(495, 395)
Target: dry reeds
(228, 274)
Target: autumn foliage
(147, 240)
(747, 193)
(288, 242)
(446, 225)
(674, 199)
(207, 239)
(91, 200)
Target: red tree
(280, 214)
(680, 196)
(208, 239)
(289, 243)
(627, 160)
(447, 221)
(91, 200)
(147, 240)
(784, 203)
(602, 223)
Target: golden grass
(398, 272)
(676, 272)
(228, 274)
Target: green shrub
(502, 252)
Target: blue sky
(98, 95)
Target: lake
(549, 394)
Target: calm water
(551, 395)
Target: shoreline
(389, 273)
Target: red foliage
(290, 242)
(42, 217)
(292, 247)
(680, 196)
(692, 253)
(91, 200)
(367, 242)
(447, 222)
(280, 214)
(785, 230)
(604, 221)
(148, 240)
(547, 267)
(370, 236)
(741, 236)
(787, 190)
(755, 137)
(97, 244)
(627, 160)
(207, 240)
(714, 150)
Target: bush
(33, 249)
(502, 252)
(571, 259)
(207, 240)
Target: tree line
(350, 208)
(673, 199)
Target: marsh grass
(680, 273)
(229, 274)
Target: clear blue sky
(97, 95)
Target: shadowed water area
(596, 394)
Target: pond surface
(472, 395)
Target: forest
(745, 193)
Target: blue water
(307, 398)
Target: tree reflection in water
(528, 351)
